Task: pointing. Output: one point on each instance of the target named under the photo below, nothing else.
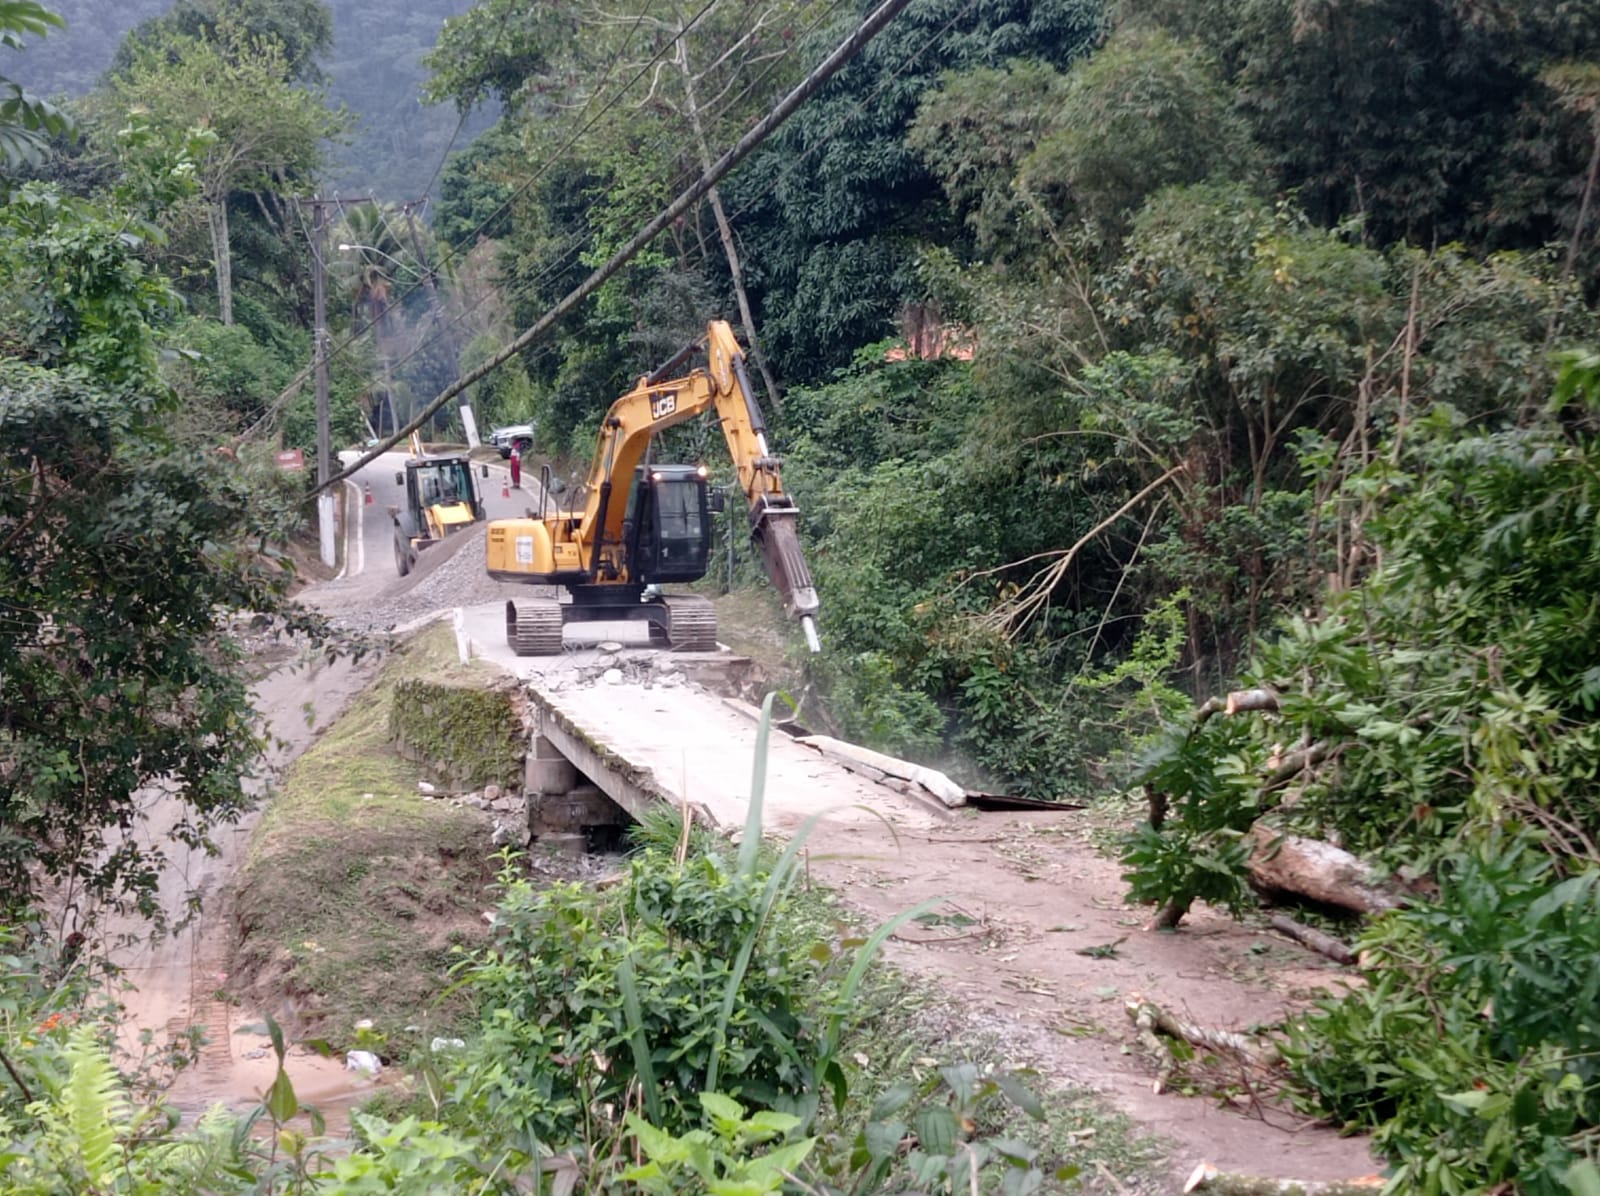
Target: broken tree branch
(1315, 940)
(1238, 702)
(1168, 916)
(1289, 767)
(1007, 617)
(1206, 1178)
(1150, 1019)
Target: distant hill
(374, 70)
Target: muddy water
(178, 983)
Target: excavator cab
(668, 524)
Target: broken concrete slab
(681, 746)
(880, 766)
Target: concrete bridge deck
(650, 734)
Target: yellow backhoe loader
(643, 525)
(440, 500)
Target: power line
(858, 106)
(461, 120)
(578, 241)
(299, 379)
(763, 129)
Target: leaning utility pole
(724, 226)
(820, 74)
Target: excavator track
(533, 627)
(692, 623)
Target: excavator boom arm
(653, 407)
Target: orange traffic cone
(505, 489)
(369, 494)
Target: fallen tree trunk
(1311, 868)
(1206, 1178)
(1316, 940)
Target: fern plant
(76, 1129)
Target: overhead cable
(763, 129)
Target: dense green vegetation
(128, 548)
(1259, 379)
(368, 51)
(615, 1026)
(1122, 355)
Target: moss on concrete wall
(468, 737)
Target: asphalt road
(371, 543)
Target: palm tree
(370, 257)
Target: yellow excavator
(644, 524)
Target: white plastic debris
(612, 677)
(424, 788)
(364, 1062)
(446, 1044)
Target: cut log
(1287, 768)
(1310, 868)
(1206, 1178)
(1239, 701)
(1316, 940)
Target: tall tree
(835, 207)
(268, 130)
(303, 28)
(1427, 118)
(122, 554)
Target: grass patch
(752, 622)
(356, 893)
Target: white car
(517, 436)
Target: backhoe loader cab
(440, 499)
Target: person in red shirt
(516, 468)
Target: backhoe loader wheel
(402, 556)
(534, 628)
